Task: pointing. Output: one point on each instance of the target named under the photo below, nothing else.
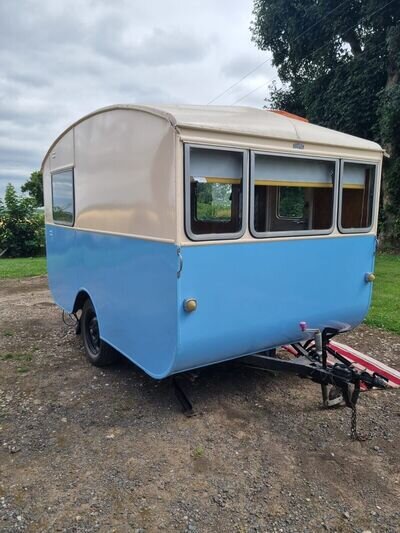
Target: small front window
(292, 195)
(63, 197)
(214, 193)
(357, 196)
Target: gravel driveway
(88, 449)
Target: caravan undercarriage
(342, 372)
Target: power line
(315, 51)
(270, 58)
(251, 92)
(239, 81)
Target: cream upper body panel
(128, 160)
(64, 155)
(124, 174)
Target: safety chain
(354, 434)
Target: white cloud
(61, 59)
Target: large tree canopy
(34, 187)
(21, 225)
(339, 64)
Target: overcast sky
(60, 59)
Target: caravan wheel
(98, 352)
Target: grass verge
(385, 308)
(22, 267)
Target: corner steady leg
(182, 398)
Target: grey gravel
(84, 449)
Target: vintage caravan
(184, 236)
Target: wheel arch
(82, 296)
(80, 300)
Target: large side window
(62, 184)
(215, 190)
(357, 189)
(292, 195)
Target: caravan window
(214, 192)
(63, 197)
(292, 195)
(357, 196)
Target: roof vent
(289, 115)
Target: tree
(339, 64)
(390, 133)
(21, 226)
(34, 187)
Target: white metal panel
(293, 170)
(215, 163)
(62, 154)
(355, 174)
(125, 174)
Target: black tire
(97, 351)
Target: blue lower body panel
(133, 287)
(252, 296)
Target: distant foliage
(292, 202)
(390, 128)
(34, 187)
(21, 226)
(339, 65)
(213, 201)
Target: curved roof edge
(146, 109)
(257, 122)
(247, 121)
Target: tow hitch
(341, 371)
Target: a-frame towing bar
(341, 371)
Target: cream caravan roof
(243, 121)
(258, 122)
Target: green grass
(22, 369)
(22, 268)
(16, 357)
(385, 308)
(21, 358)
(198, 452)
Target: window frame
(55, 173)
(292, 233)
(187, 193)
(374, 196)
